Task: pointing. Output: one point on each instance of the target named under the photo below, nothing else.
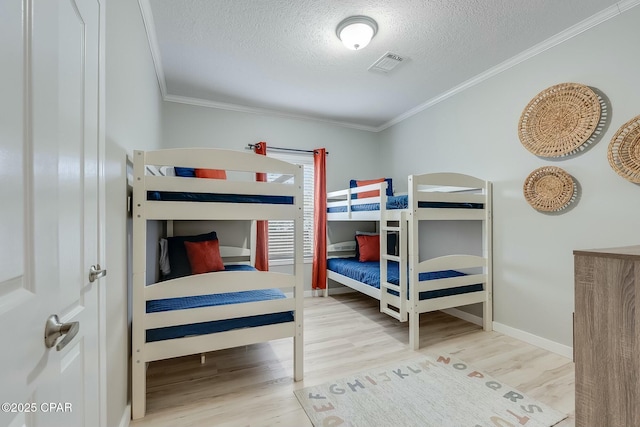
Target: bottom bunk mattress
(203, 328)
(368, 272)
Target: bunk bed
(198, 313)
(406, 285)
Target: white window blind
(281, 232)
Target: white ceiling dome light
(356, 32)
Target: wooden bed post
(414, 259)
(138, 362)
(487, 306)
(252, 242)
(298, 339)
(414, 329)
(402, 241)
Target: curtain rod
(295, 150)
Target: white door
(49, 99)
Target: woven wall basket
(624, 151)
(549, 189)
(559, 120)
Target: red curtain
(262, 227)
(319, 272)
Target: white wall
(133, 117)
(475, 132)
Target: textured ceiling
(283, 57)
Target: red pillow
(369, 247)
(204, 257)
(372, 193)
(211, 173)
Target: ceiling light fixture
(356, 32)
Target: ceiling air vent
(386, 63)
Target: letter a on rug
(429, 391)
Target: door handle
(95, 272)
(54, 329)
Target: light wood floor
(344, 334)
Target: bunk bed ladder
(387, 305)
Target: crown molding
(625, 5)
(150, 29)
(261, 111)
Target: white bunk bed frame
(208, 283)
(435, 187)
(387, 219)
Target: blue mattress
(402, 202)
(171, 196)
(182, 303)
(368, 272)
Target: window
(281, 232)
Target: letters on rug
(427, 391)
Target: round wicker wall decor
(624, 151)
(549, 189)
(559, 120)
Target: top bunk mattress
(171, 196)
(402, 202)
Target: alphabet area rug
(428, 391)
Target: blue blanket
(182, 303)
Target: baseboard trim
(126, 417)
(529, 338)
(552, 346)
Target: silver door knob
(53, 330)
(95, 272)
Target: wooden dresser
(607, 337)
